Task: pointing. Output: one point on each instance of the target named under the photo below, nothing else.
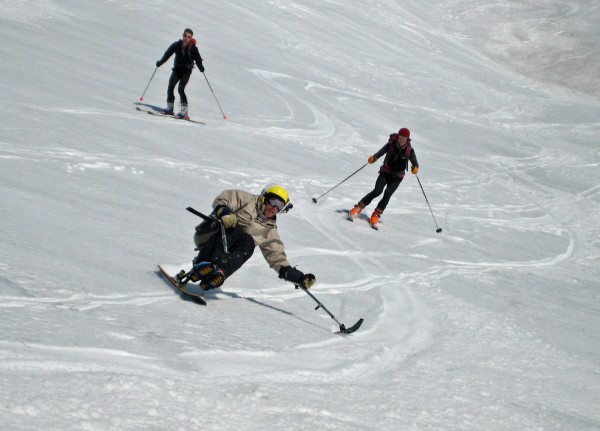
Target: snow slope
(491, 324)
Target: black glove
(297, 277)
(158, 63)
(201, 67)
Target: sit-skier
(250, 220)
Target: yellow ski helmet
(279, 192)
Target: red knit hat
(404, 132)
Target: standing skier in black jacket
(186, 53)
(398, 152)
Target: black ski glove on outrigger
(296, 276)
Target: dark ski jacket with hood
(184, 59)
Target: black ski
(181, 288)
(160, 114)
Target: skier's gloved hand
(158, 63)
(290, 274)
(229, 221)
(372, 159)
(201, 67)
(296, 276)
(228, 218)
(415, 170)
(308, 280)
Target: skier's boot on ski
(183, 114)
(214, 280)
(354, 212)
(207, 273)
(169, 109)
(198, 271)
(375, 216)
(201, 270)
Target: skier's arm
(168, 53)
(232, 199)
(296, 276)
(272, 249)
(273, 252)
(228, 218)
(413, 159)
(379, 153)
(198, 59)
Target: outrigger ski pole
(212, 219)
(184, 278)
(343, 329)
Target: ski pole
(184, 277)
(345, 179)
(343, 329)
(212, 219)
(142, 97)
(213, 93)
(439, 229)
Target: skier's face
(402, 141)
(187, 37)
(271, 208)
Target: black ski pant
(239, 243)
(391, 181)
(182, 76)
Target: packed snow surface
(491, 324)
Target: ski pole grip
(199, 214)
(212, 219)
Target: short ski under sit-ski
(181, 288)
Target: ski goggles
(280, 205)
(277, 203)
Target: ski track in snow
(400, 330)
(474, 328)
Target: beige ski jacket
(248, 209)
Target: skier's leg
(183, 113)
(392, 185)
(379, 185)
(173, 80)
(214, 265)
(184, 78)
(239, 252)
